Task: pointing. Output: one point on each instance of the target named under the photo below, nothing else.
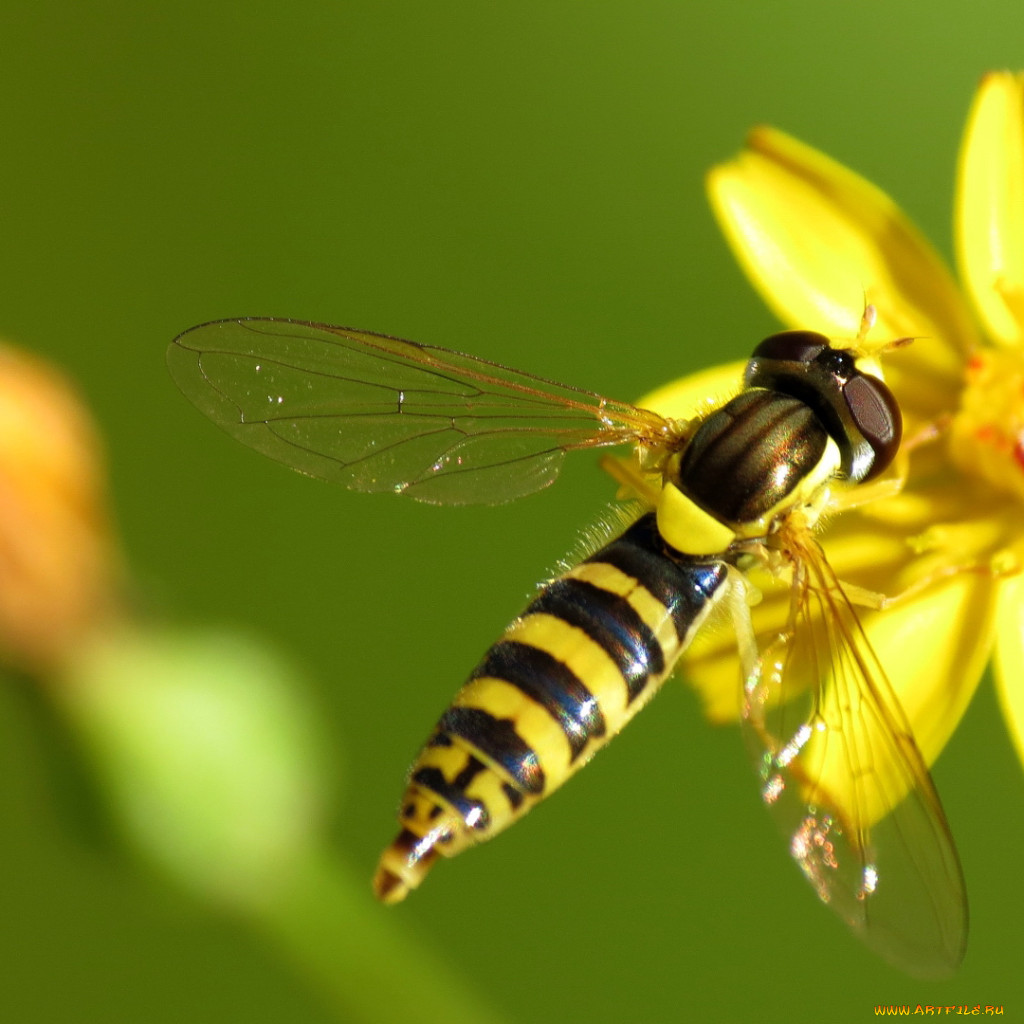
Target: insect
(720, 494)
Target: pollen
(987, 434)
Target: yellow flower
(818, 241)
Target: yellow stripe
(486, 788)
(533, 724)
(586, 658)
(654, 614)
(448, 760)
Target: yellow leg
(632, 483)
(998, 568)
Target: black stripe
(684, 585)
(497, 740)
(474, 766)
(515, 797)
(609, 620)
(406, 844)
(472, 812)
(551, 683)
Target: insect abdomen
(580, 661)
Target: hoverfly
(725, 492)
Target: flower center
(987, 435)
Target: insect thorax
(750, 462)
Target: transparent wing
(380, 414)
(843, 776)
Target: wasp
(740, 486)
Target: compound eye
(877, 416)
(792, 346)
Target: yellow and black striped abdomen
(582, 659)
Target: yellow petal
(934, 649)
(818, 240)
(1009, 660)
(697, 393)
(990, 206)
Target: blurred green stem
(358, 954)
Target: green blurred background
(519, 181)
